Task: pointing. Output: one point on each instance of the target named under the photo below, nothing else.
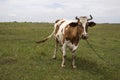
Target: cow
(67, 33)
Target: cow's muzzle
(84, 37)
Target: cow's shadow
(94, 68)
(88, 65)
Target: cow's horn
(90, 18)
(76, 18)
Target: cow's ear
(91, 24)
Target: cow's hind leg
(63, 55)
(56, 49)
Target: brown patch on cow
(72, 34)
(57, 27)
(62, 30)
(57, 40)
(57, 36)
(61, 23)
(57, 21)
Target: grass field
(22, 59)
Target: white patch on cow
(72, 47)
(64, 49)
(84, 30)
(84, 21)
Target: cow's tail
(45, 39)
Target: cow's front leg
(73, 56)
(73, 49)
(73, 59)
(63, 55)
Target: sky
(103, 11)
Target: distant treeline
(48, 22)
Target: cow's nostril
(84, 37)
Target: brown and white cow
(68, 33)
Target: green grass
(22, 59)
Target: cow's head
(84, 22)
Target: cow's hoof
(62, 66)
(74, 67)
(54, 57)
